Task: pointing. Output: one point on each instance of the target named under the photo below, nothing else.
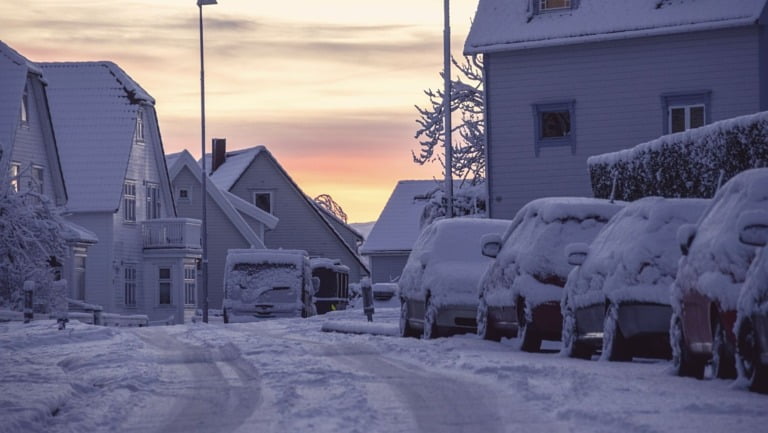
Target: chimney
(219, 153)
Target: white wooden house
(29, 154)
(113, 163)
(255, 176)
(567, 79)
(391, 239)
(231, 221)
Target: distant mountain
(363, 228)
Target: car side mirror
(315, 284)
(685, 235)
(753, 228)
(491, 245)
(576, 253)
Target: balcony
(171, 233)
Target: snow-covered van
(262, 284)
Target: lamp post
(447, 109)
(204, 227)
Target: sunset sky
(328, 86)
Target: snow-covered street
(288, 375)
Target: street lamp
(447, 109)
(204, 228)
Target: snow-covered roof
(233, 167)
(398, 225)
(177, 161)
(93, 108)
(13, 77)
(502, 25)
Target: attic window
(25, 108)
(140, 127)
(546, 5)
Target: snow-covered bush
(687, 164)
(30, 241)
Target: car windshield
(263, 282)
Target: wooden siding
(617, 88)
(300, 226)
(387, 268)
(222, 234)
(99, 272)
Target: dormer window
(549, 5)
(25, 108)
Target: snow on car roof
(514, 24)
(235, 256)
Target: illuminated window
(25, 108)
(546, 5)
(15, 173)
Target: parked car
(523, 287)
(438, 285)
(752, 310)
(384, 291)
(710, 277)
(333, 291)
(618, 299)
(264, 283)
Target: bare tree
(468, 162)
(327, 202)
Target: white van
(263, 284)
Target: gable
(501, 25)
(13, 77)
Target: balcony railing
(171, 233)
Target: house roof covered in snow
(399, 223)
(93, 107)
(13, 77)
(504, 25)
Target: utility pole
(447, 109)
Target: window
(263, 201)
(164, 286)
(139, 134)
(545, 5)
(684, 111)
(15, 173)
(183, 194)
(79, 277)
(153, 201)
(190, 285)
(129, 278)
(25, 107)
(129, 201)
(554, 125)
(38, 177)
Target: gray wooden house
(112, 160)
(30, 156)
(567, 79)
(255, 176)
(231, 221)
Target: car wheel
(571, 346)
(405, 328)
(723, 364)
(485, 327)
(615, 346)
(430, 320)
(530, 340)
(749, 358)
(684, 363)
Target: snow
(513, 25)
(635, 256)
(446, 261)
(233, 167)
(717, 262)
(397, 227)
(287, 375)
(532, 263)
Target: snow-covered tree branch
(329, 204)
(468, 162)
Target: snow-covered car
(384, 291)
(264, 283)
(438, 285)
(618, 298)
(523, 287)
(710, 276)
(333, 291)
(752, 310)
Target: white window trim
(133, 282)
(687, 109)
(190, 277)
(188, 198)
(129, 202)
(160, 281)
(543, 5)
(15, 183)
(271, 200)
(140, 132)
(24, 114)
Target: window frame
(546, 107)
(190, 285)
(538, 9)
(15, 174)
(24, 112)
(129, 201)
(164, 282)
(130, 279)
(187, 189)
(153, 208)
(138, 134)
(685, 100)
(271, 201)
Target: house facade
(113, 164)
(30, 156)
(256, 177)
(231, 222)
(568, 79)
(391, 239)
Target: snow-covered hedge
(686, 164)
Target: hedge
(686, 164)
